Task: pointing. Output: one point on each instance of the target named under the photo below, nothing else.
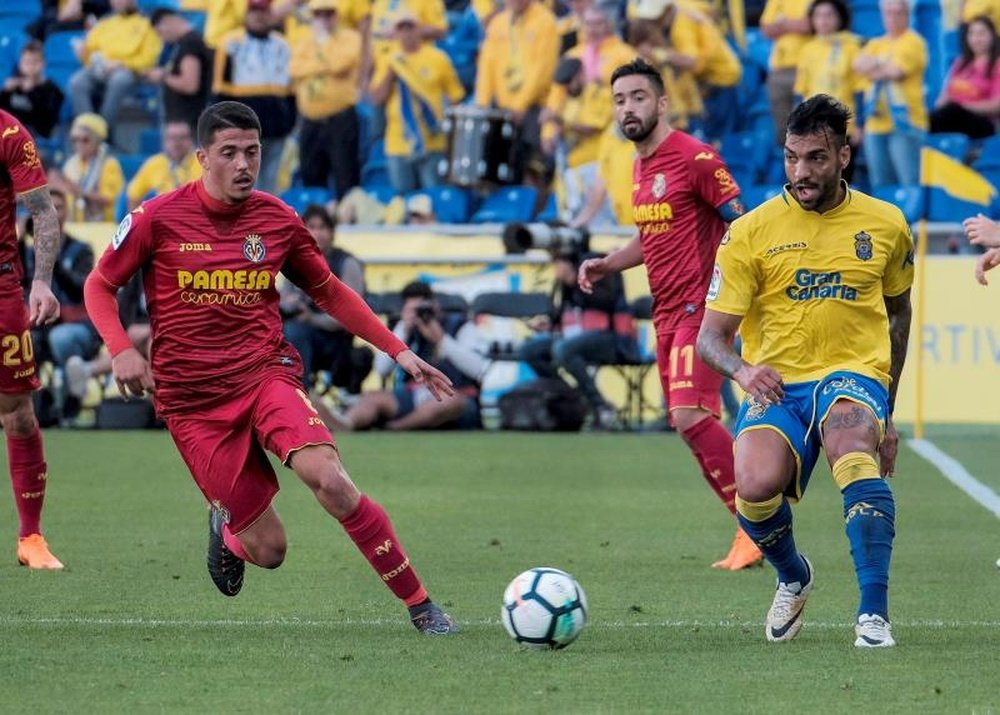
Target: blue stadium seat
(451, 204)
(954, 145)
(511, 203)
(743, 154)
(866, 19)
(60, 59)
(146, 7)
(130, 164)
(989, 153)
(754, 195)
(550, 211)
(301, 197)
(19, 11)
(383, 192)
(758, 48)
(946, 208)
(909, 199)
(11, 43)
(196, 18)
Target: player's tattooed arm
(899, 311)
(38, 202)
(715, 342)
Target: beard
(639, 133)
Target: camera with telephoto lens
(552, 237)
(426, 311)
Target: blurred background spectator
(320, 340)
(970, 99)
(175, 166)
(65, 16)
(325, 67)
(416, 81)
(826, 65)
(252, 66)
(516, 63)
(895, 113)
(91, 178)
(186, 77)
(29, 95)
(116, 52)
(786, 22)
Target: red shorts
(224, 445)
(18, 372)
(686, 380)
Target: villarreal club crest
(253, 248)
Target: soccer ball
(544, 608)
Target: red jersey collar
(213, 204)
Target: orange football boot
(742, 554)
(33, 552)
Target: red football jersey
(209, 271)
(20, 170)
(675, 196)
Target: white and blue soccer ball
(544, 608)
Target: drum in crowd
(481, 144)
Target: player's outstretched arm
(425, 374)
(715, 348)
(982, 231)
(594, 269)
(986, 262)
(43, 307)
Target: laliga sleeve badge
(123, 228)
(716, 284)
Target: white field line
(141, 622)
(958, 475)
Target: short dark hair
(317, 211)
(34, 46)
(839, 6)
(639, 66)
(225, 115)
(160, 13)
(819, 114)
(417, 289)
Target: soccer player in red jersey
(222, 375)
(683, 196)
(22, 176)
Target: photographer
(585, 331)
(448, 342)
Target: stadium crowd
(360, 101)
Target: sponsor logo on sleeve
(716, 285)
(725, 179)
(122, 233)
(31, 158)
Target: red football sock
(234, 544)
(26, 459)
(369, 527)
(712, 446)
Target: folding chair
(634, 372)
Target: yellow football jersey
(811, 286)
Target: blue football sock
(869, 517)
(774, 537)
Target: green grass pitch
(135, 625)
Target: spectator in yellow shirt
(895, 112)
(685, 104)
(577, 127)
(787, 23)
(826, 66)
(221, 17)
(175, 166)
(414, 81)
(92, 178)
(698, 46)
(609, 200)
(516, 63)
(115, 53)
(325, 64)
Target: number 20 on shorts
(17, 349)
